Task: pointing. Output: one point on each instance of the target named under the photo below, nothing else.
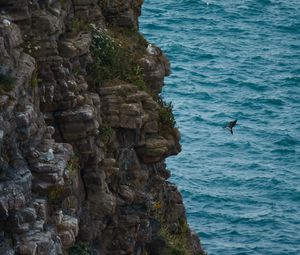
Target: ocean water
(235, 59)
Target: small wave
(203, 96)
(287, 141)
(210, 3)
(236, 30)
(255, 166)
(231, 145)
(205, 56)
(271, 101)
(288, 194)
(265, 2)
(294, 28)
(197, 118)
(257, 58)
(212, 199)
(262, 221)
(292, 81)
(270, 113)
(220, 115)
(254, 86)
(265, 182)
(229, 81)
(283, 151)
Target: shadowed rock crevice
(82, 151)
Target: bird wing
(231, 124)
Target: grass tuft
(105, 133)
(35, 79)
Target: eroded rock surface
(82, 166)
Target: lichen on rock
(84, 133)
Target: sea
(234, 59)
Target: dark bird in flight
(230, 125)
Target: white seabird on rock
(50, 155)
(6, 22)
(151, 49)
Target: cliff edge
(84, 133)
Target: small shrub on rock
(166, 119)
(80, 249)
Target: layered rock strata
(82, 166)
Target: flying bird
(230, 125)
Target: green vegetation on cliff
(80, 249)
(177, 242)
(105, 133)
(112, 60)
(166, 120)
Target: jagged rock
(153, 150)
(156, 66)
(40, 206)
(29, 249)
(109, 167)
(127, 193)
(156, 246)
(68, 230)
(125, 112)
(49, 166)
(123, 12)
(78, 123)
(45, 22)
(195, 241)
(38, 242)
(75, 46)
(13, 37)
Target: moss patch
(56, 194)
(73, 164)
(176, 244)
(78, 25)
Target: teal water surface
(235, 60)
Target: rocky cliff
(84, 133)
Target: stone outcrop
(82, 166)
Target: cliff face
(84, 134)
